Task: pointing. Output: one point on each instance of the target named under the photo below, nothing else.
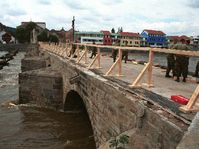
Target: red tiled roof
(179, 37)
(130, 34)
(184, 37)
(105, 32)
(154, 32)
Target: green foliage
(23, 33)
(112, 30)
(53, 38)
(118, 143)
(43, 36)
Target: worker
(170, 65)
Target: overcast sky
(174, 17)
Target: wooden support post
(150, 68)
(120, 63)
(86, 55)
(117, 62)
(78, 54)
(81, 57)
(140, 76)
(192, 105)
(97, 57)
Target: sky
(174, 17)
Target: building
(194, 41)
(6, 37)
(129, 39)
(89, 37)
(107, 40)
(69, 36)
(61, 34)
(178, 39)
(153, 38)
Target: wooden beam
(190, 105)
(117, 62)
(97, 57)
(140, 76)
(150, 68)
(81, 57)
(86, 55)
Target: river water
(31, 127)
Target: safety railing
(66, 51)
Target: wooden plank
(120, 63)
(160, 50)
(140, 76)
(93, 61)
(190, 105)
(86, 55)
(81, 57)
(150, 68)
(112, 67)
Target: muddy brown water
(31, 127)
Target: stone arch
(74, 102)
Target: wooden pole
(190, 106)
(86, 55)
(135, 83)
(120, 63)
(81, 56)
(78, 54)
(99, 57)
(150, 68)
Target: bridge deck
(162, 86)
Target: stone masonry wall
(20, 47)
(112, 109)
(32, 63)
(42, 87)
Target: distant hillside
(8, 29)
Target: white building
(195, 41)
(90, 40)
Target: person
(115, 51)
(94, 51)
(125, 54)
(181, 67)
(170, 65)
(196, 72)
(72, 51)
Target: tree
(53, 38)
(23, 33)
(120, 29)
(112, 30)
(43, 36)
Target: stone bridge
(112, 106)
(20, 47)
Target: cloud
(194, 3)
(173, 17)
(15, 12)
